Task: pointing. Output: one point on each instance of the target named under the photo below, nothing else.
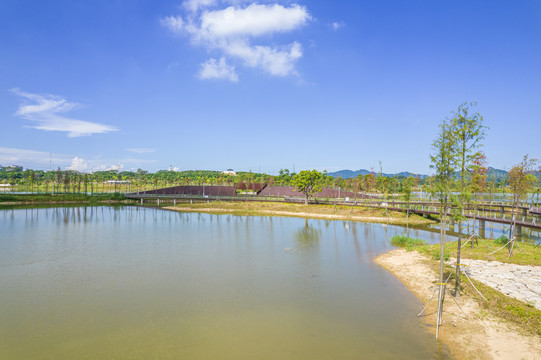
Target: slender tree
(444, 164)
(468, 130)
(521, 181)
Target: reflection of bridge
(524, 217)
(521, 216)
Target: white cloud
(254, 20)
(195, 5)
(44, 160)
(141, 150)
(78, 164)
(25, 157)
(280, 62)
(233, 29)
(45, 113)
(337, 25)
(174, 23)
(218, 70)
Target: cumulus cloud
(45, 111)
(212, 69)
(35, 159)
(233, 30)
(78, 164)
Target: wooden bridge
(496, 213)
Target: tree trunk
(459, 245)
(441, 293)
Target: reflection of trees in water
(308, 236)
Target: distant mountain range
(348, 174)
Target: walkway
(522, 282)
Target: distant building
(229, 172)
(13, 168)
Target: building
(229, 172)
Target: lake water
(143, 283)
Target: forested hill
(495, 174)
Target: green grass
(59, 198)
(407, 242)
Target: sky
(263, 86)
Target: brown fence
(250, 186)
(194, 190)
(289, 191)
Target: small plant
(436, 253)
(502, 240)
(407, 242)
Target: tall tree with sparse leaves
(521, 181)
(468, 131)
(444, 164)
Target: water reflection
(104, 282)
(308, 236)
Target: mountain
(493, 174)
(496, 174)
(348, 174)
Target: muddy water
(140, 283)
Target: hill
(493, 174)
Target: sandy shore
(473, 334)
(312, 215)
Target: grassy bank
(301, 210)
(36, 199)
(524, 315)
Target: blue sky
(217, 84)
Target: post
(141, 201)
(158, 202)
(518, 231)
(175, 202)
(482, 228)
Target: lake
(144, 283)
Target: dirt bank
(304, 211)
(474, 334)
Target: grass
(15, 199)
(407, 242)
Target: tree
(308, 182)
(468, 130)
(521, 182)
(443, 162)
(479, 173)
(407, 187)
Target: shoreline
(472, 334)
(321, 212)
